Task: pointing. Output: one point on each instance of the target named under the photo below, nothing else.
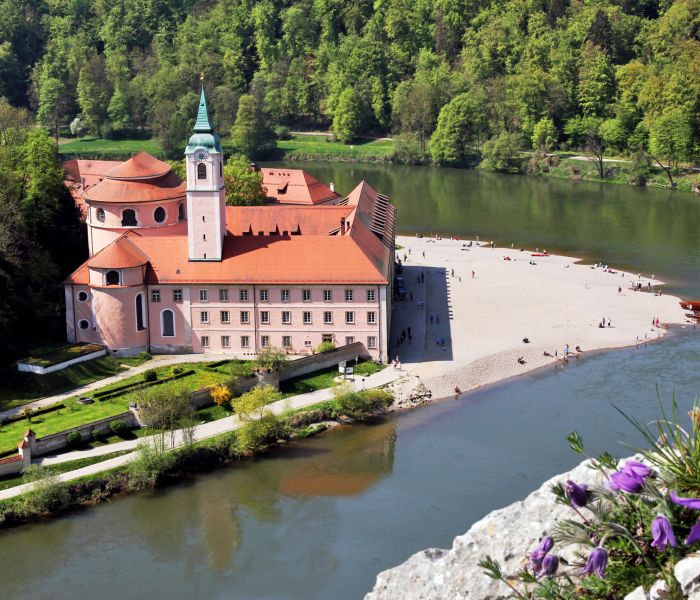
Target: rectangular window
(349, 317)
(204, 316)
(286, 317)
(263, 295)
(245, 341)
(243, 295)
(306, 295)
(286, 341)
(307, 343)
(371, 317)
(205, 341)
(223, 295)
(265, 317)
(245, 317)
(327, 295)
(265, 341)
(155, 295)
(225, 316)
(348, 295)
(371, 342)
(203, 296)
(327, 317)
(285, 295)
(371, 295)
(177, 295)
(349, 340)
(307, 317)
(225, 341)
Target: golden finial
(201, 76)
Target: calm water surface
(321, 518)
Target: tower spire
(202, 124)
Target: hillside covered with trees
(445, 75)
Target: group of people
(602, 324)
(405, 333)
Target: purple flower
(550, 564)
(636, 468)
(694, 534)
(577, 494)
(693, 503)
(597, 561)
(627, 482)
(662, 532)
(538, 554)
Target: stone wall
(506, 535)
(39, 370)
(316, 362)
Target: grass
(324, 379)
(78, 414)
(92, 147)
(9, 481)
(62, 354)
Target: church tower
(206, 200)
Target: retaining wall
(39, 370)
(316, 362)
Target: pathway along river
(321, 518)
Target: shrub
(271, 358)
(74, 438)
(325, 347)
(177, 370)
(48, 492)
(148, 469)
(220, 394)
(257, 434)
(118, 428)
(96, 435)
(378, 398)
(282, 132)
(150, 375)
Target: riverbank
(494, 313)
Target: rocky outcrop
(506, 535)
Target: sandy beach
(479, 322)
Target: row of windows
(264, 295)
(286, 341)
(286, 317)
(129, 215)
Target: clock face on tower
(201, 155)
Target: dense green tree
(94, 92)
(243, 184)
(544, 135)
(459, 131)
(670, 140)
(347, 121)
(502, 153)
(250, 133)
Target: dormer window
(100, 214)
(129, 218)
(181, 212)
(201, 171)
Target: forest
(450, 79)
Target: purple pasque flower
(662, 533)
(626, 481)
(597, 561)
(550, 564)
(694, 534)
(578, 494)
(637, 468)
(539, 553)
(693, 503)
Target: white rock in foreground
(506, 535)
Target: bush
(325, 347)
(96, 435)
(149, 467)
(271, 358)
(74, 438)
(150, 375)
(48, 493)
(118, 428)
(257, 434)
(177, 370)
(282, 132)
(220, 394)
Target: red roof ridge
(141, 165)
(120, 254)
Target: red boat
(693, 305)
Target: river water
(321, 518)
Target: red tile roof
(294, 186)
(120, 254)
(313, 251)
(83, 174)
(120, 191)
(141, 165)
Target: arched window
(159, 214)
(112, 278)
(129, 218)
(139, 313)
(167, 323)
(181, 212)
(221, 169)
(201, 171)
(100, 214)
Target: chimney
(342, 225)
(332, 186)
(254, 167)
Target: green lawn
(9, 481)
(77, 414)
(298, 146)
(324, 379)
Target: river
(321, 518)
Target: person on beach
(453, 272)
(473, 274)
(423, 253)
(566, 350)
(619, 290)
(457, 391)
